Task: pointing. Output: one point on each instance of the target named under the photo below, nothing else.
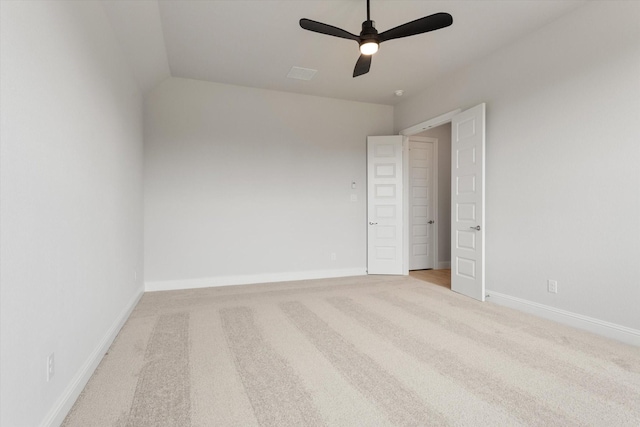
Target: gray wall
(248, 182)
(562, 175)
(71, 208)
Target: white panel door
(421, 204)
(384, 205)
(467, 202)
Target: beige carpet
(360, 351)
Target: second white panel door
(467, 202)
(421, 203)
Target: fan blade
(330, 30)
(362, 66)
(419, 26)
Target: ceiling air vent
(300, 73)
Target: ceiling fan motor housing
(369, 34)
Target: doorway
(431, 233)
(391, 200)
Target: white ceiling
(256, 42)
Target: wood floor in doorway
(438, 277)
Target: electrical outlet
(333, 256)
(50, 367)
(552, 286)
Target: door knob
(373, 223)
(477, 227)
(431, 222)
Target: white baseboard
(209, 282)
(444, 264)
(597, 326)
(63, 405)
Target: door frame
(408, 132)
(433, 197)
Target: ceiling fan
(369, 38)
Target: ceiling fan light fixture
(368, 47)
